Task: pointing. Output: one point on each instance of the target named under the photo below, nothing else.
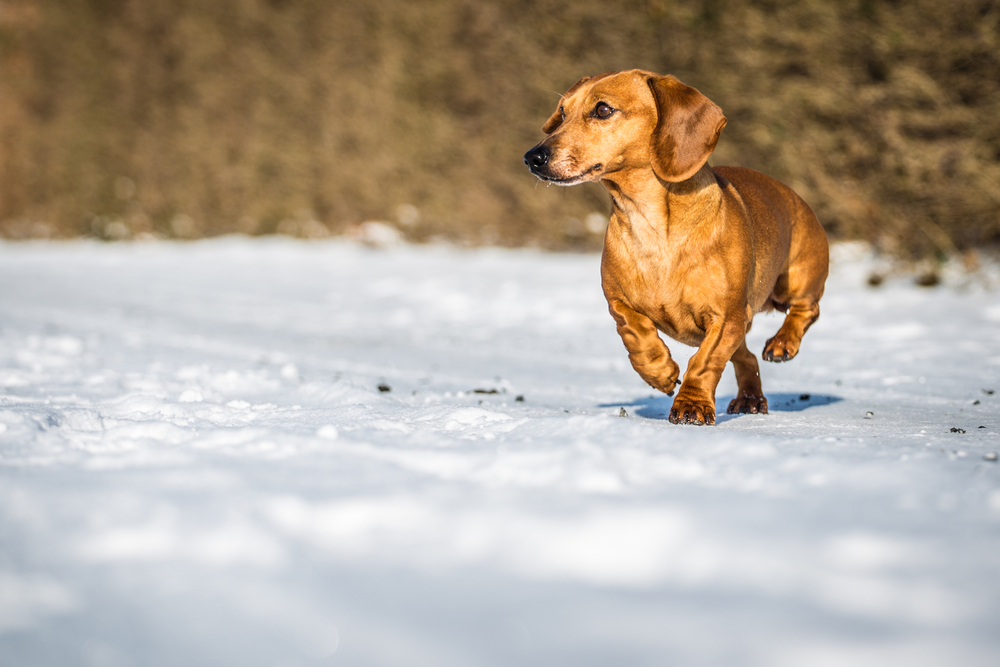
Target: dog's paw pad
(778, 350)
(692, 412)
(747, 405)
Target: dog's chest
(663, 286)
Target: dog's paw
(779, 349)
(685, 411)
(665, 380)
(747, 404)
(668, 387)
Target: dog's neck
(651, 211)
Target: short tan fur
(691, 251)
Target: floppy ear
(687, 128)
(555, 120)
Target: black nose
(537, 157)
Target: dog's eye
(603, 110)
(562, 113)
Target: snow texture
(198, 467)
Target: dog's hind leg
(750, 395)
(784, 345)
(798, 290)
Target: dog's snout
(537, 158)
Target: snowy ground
(197, 468)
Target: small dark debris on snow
(990, 456)
(988, 392)
(519, 399)
(383, 387)
(622, 413)
(869, 414)
(982, 427)
(485, 391)
(875, 279)
(928, 279)
(957, 430)
(976, 402)
(804, 397)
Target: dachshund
(690, 250)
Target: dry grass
(185, 119)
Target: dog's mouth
(540, 163)
(568, 180)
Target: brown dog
(692, 251)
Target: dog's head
(627, 120)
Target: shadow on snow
(658, 407)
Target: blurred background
(182, 119)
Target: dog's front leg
(649, 355)
(695, 402)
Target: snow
(197, 467)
